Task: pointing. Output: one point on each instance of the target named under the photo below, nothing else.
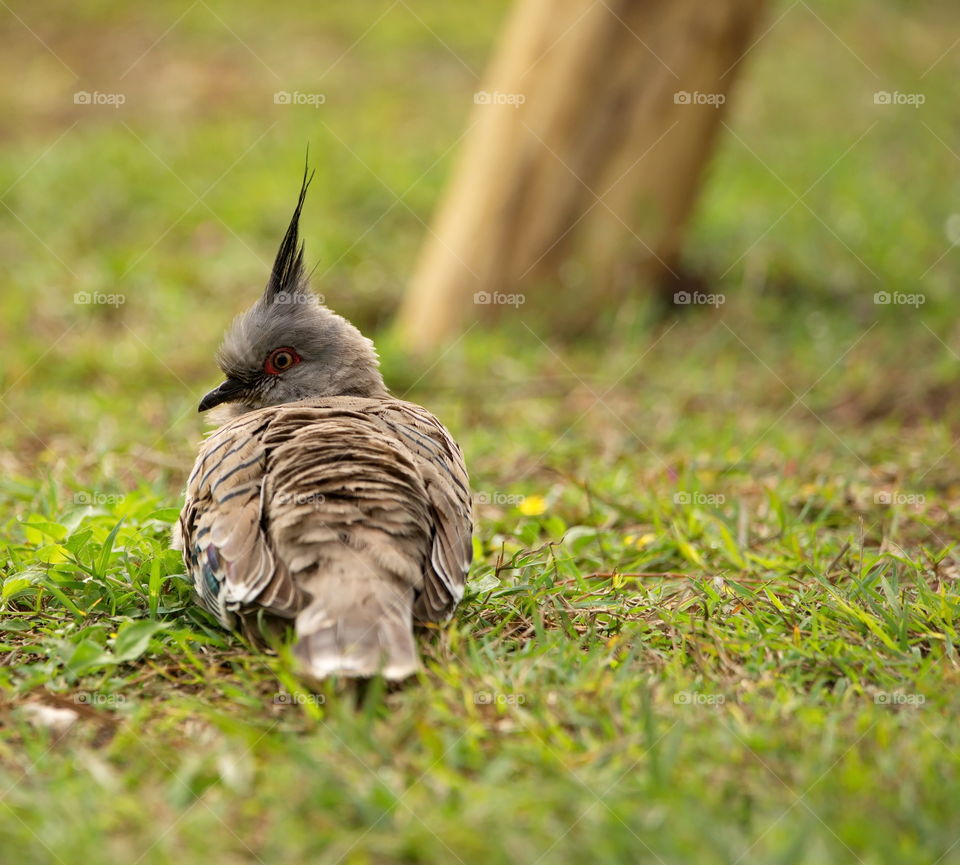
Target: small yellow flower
(533, 506)
(639, 542)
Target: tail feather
(360, 628)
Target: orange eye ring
(280, 360)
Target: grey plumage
(321, 499)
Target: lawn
(712, 616)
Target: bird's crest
(287, 275)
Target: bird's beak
(226, 392)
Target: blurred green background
(778, 474)
(817, 199)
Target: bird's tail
(358, 627)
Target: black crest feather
(287, 272)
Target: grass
(713, 613)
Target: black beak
(226, 392)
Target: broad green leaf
(164, 515)
(133, 639)
(15, 586)
(37, 530)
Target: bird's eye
(279, 360)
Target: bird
(321, 502)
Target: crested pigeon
(321, 499)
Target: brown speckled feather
(349, 515)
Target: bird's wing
(225, 547)
(440, 463)
(327, 488)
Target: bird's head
(288, 346)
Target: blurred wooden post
(589, 137)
